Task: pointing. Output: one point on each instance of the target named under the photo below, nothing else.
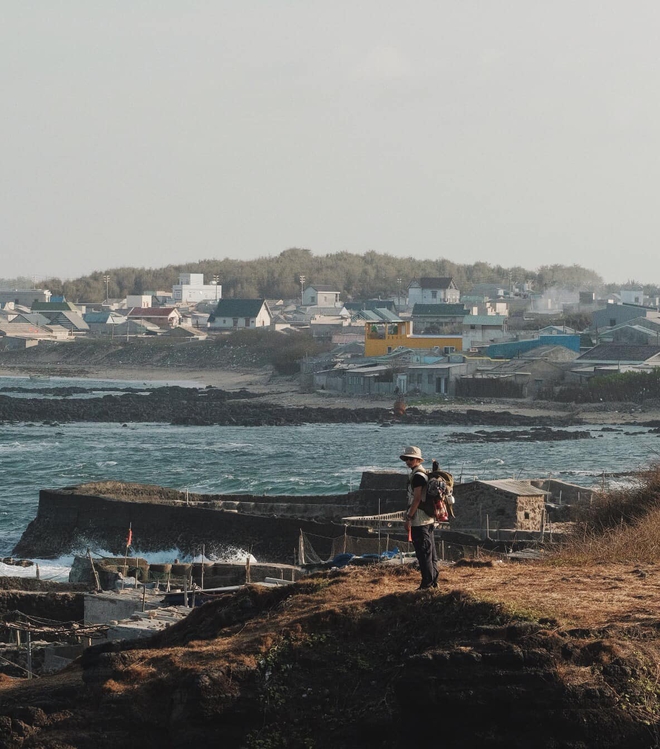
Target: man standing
(420, 524)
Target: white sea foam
(56, 570)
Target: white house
(320, 295)
(240, 313)
(429, 290)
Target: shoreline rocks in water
(538, 434)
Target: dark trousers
(427, 556)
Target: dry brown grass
(621, 526)
(621, 596)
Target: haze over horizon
(155, 133)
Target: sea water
(285, 460)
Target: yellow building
(383, 337)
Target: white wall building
(138, 300)
(191, 288)
(632, 296)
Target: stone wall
(479, 505)
(530, 513)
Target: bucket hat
(411, 452)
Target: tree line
(370, 275)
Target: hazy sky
(164, 131)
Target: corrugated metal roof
(620, 352)
(379, 314)
(518, 488)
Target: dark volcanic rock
(211, 406)
(539, 434)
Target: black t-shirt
(418, 479)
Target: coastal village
(429, 341)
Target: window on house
(235, 321)
(429, 378)
(434, 295)
(473, 327)
(312, 299)
(247, 322)
(526, 516)
(612, 322)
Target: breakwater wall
(99, 515)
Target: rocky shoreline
(213, 406)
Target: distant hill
(356, 276)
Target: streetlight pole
(106, 278)
(302, 289)
(398, 296)
(216, 281)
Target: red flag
(129, 540)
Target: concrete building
(26, 297)
(481, 329)
(632, 296)
(139, 300)
(494, 505)
(192, 289)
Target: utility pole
(302, 289)
(106, 278)
(216, 281)
(398, 296)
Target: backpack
(438, 500)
